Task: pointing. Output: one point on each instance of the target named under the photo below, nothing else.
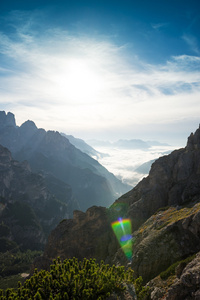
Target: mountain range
(164, 210)
(55, 158)
(127, 144)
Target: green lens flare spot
(122, 230)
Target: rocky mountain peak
(7, 119)
(194, 140)
(27, 129)
(28, 125)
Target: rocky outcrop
(86, 235)
(187, 284)
(164, 239)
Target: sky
(101, 69)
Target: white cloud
(75, 83)
(123, 163)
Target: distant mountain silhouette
(131, 144)
(156, 143)
(127, 144)
(53, 155)
(83, 146)
(145, 167)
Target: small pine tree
(73, 279)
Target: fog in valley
(130, 165)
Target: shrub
(76, 280)
(73, 279)
(141, 291)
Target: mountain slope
(27, 208)
(164, 210)
(51, 153)
(82, 145)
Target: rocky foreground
(164, 209)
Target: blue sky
(103, 69)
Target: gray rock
(187, 286)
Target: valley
(131, 165)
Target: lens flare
(122, 230)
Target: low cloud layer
(125, 163)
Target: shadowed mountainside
(52, 154)
(28, 211)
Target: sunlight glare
(79, 81)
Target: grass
(172, 269)
(173, 215)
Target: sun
(79, 81)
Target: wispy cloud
(158, 26)
(192, 43)
(69, 81)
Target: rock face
(52, 154)
(7, 120)
(26, 206)
(185, 284)
(162, 237)
(188, 285)
(86, 235)
(173, 180)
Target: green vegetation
(12, 263)
(73, 279)
(142, 292)
(172, 214)
(172, 269)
